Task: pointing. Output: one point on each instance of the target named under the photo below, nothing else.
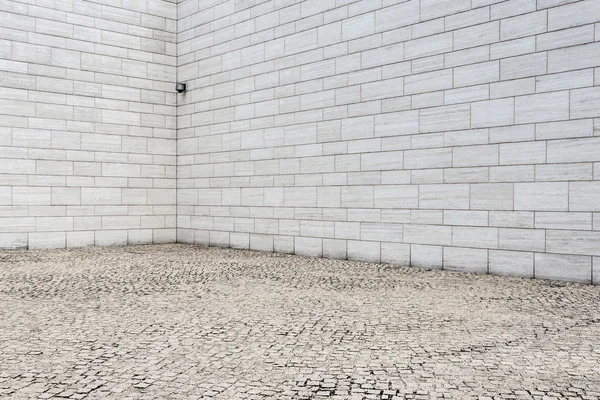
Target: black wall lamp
(181, 87)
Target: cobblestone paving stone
(179, 322)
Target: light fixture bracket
(181, 87)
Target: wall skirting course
(460, 134)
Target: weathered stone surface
(181, 322)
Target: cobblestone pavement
(179, 322)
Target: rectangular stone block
(282, 244)
(564, 80)
(80, 239)
(381, 232)
(584, 196)
(517, 173)
(466, 260)
(523, 153)
(447, 196)
(53, 224)
(563, 220)
(523, 25)
(111, 238)
(13, 240)
(428, 234)
(395, 254)
(428, 158)
(477, 35)
(564, 129)
(438, 119)
(300, 197)
(426, 256)
(511, 263)
(361, 25)
(573, 58)
(492, 196)
(480, 237)
(358, 128)
(542, 107)
(305, 246)
(475, 74)
(428, 46)
(364, 251)
(471, 156)
(317, 228)
(465, 218)
(20, 224)
(428, 82)
(563, 267)
(512, 219)
(100, 196)
(578, 150)
(523, 66)
(357, 196)
(398, 123)
(572, 15)
(382, 89)
(585, 103)
(334, 248)
(522, 239)
(100, 63)
(218, 239)
(466, 175)
(384, 161)
(31, 195)
(5, 196)
(261, 242)
(542, 196)
(397, 16)
(47, 240)
(493, 113)
(573, 242)
(347, 230)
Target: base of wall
(58, 240)
(561, 267)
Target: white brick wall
(455, 134)
(87, 122)
(444, 134)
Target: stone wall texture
(455, 134)
(87, 122)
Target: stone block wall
(456, 134)
(87, 122)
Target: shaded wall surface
(87, 122)
(456, 134)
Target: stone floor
(187, 322)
